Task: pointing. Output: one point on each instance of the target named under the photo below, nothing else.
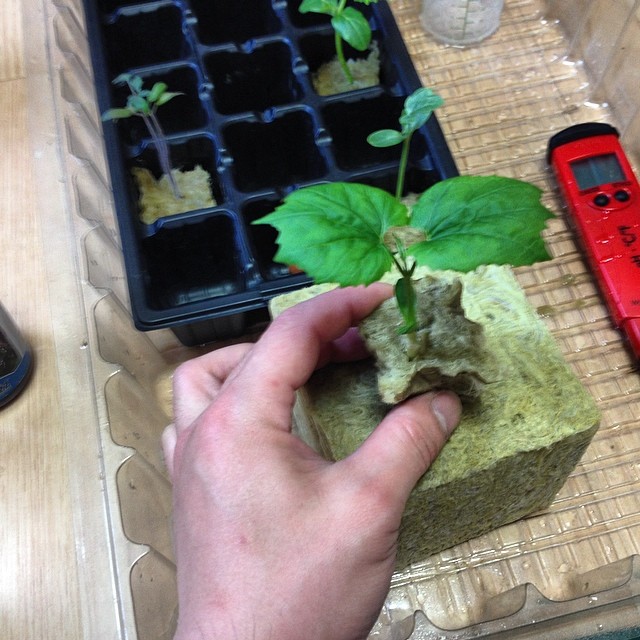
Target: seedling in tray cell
(155, 201)
(144, 103)
(352, 234)
(349, 25)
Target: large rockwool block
(517, 441)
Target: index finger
(197, 382)
(300, 340)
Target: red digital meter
(603, 197)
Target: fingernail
(446, 407)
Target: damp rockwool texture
(517, 441)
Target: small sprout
(404, 291)
(417, 109)
(144, 103)
(349, 25)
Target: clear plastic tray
(570, 572)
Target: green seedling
(417, 109)
(349, 25)
(144, 103)
(352, 234)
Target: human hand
(273, 541)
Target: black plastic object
(15, 359)
(579, 132)
(249, 116)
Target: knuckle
(184, 371)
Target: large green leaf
(475, 220)
(334, 232)
(353, 28)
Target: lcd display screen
(598, 170)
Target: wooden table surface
(55, 570)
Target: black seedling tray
(250, 117)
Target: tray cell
(234, 21)
(186, 112)
(277, 153)
(253, 81)
(349, 124)
(132, 38)
(318, 48)
(186, 154)
(193, 262)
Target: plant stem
(339, 47)
(162, 149)
(414, 345)
(402, 169)
(342, 59)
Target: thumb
(408, 440)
